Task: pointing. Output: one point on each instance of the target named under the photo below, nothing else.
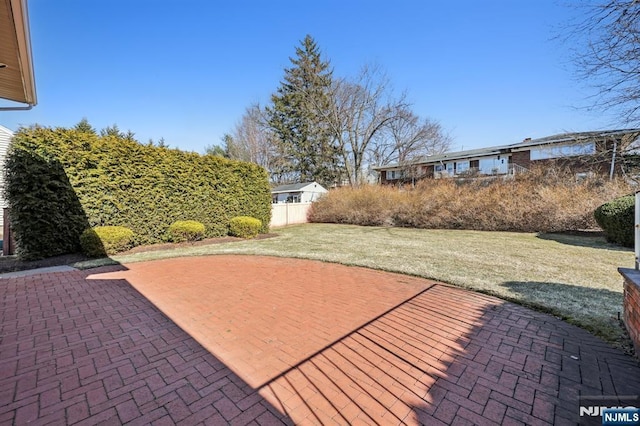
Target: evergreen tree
(296, 117)
(84, 126)
(112, 131)
(216, 150)
(130, 136)
(162, 143)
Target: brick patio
(273, 341)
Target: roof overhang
(292, 191)
(17, 82)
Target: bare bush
(366, 205)
(541, 201)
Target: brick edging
(631, 305)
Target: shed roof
(293, 187)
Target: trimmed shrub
(617, 220)
(105, 240)
(244, 226)
(186, 230)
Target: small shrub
(244, 226)
(186, 230)
(105, 240)
(616, 218)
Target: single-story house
(297, 193)
(581, 151)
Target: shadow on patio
(328, 344)
(80, 351)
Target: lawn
(571, 276)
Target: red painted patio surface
(286, 341)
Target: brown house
(582, 152)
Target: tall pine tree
(296, 117)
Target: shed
(306, 192)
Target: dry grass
(535, 202)
(573, 277)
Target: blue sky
(489, 71)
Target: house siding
(428, 170)
(599, 162)
(521, 158)
(411, 175)
(5, 140)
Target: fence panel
(289, 213)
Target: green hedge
(617, 220)
(47, 217)
(244, 227)
(186, 230)
(104, 240)
(115, 181)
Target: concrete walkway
(284, 341)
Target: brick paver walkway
(286, 341)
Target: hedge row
(62, 181)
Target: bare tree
(254, 141)
(249, 140)
(360, 111)
(607, 54)
(408, 138)
(372, 126)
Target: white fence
(289, 213)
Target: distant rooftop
(292, 187)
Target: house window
(393, 174)
(573, 150)
(462, 166)
(438, 168)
